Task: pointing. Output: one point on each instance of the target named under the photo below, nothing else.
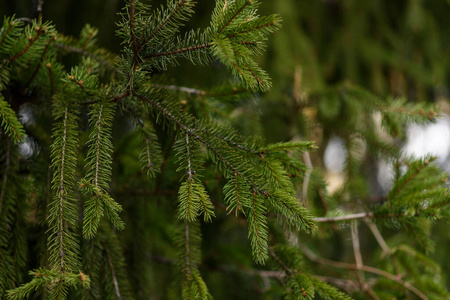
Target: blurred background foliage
(328, 62)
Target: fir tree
(112, 138)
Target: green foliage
(110, 135)
(10, 123)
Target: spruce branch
(179, 5)
(39, 31)
(406, 179)
(50, 72)
(10, 25)
(133, 35)
(181, 50)
(237, 12)
(10, 123)
(257, 229)
(61, 194)
(36, 70)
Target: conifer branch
(179, 6)
(61, 192)
(199, 138)
(191, 48)
(7, 31)
(395, 191)
(189, 173)
(237, 191)
(40, 63)
(50, 73)
(97, 152)
(133, 36)
(164, 111)
(11, 125)
(39, 30)
(235, 15)
(80, 84)
(252, 29)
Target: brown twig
(359, 261)
(336, 264)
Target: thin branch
(180, 50)
(235, 15)
(309, 165)
(97, 157)
(133, 36)
(50, 73)
(280, 262)
(359, 260)
(39, 9)
(113, 274)
(180, 89)
(356, 245)
(377, 234)
(61, 192)
(336, 264)
(344, 218)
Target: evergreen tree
(118, 184)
